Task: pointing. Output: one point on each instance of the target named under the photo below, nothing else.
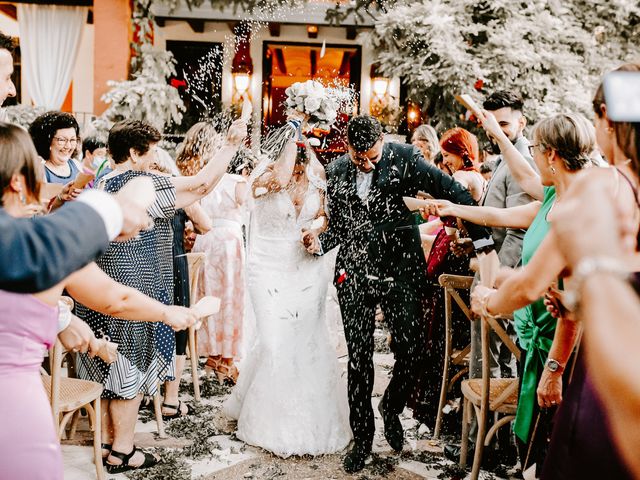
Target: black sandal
(146, 403)
(178, 410)
(105, 446)
(149, 461)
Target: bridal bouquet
(320, 103)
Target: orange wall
(112, 20)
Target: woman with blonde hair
(425, 139)
(220, 335)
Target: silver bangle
(586, 268)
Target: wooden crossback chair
(68, 396)
(196, 264)
(457, 358)
(486, 395)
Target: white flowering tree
(553, 52)
(147, 96)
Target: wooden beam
(313, 58)
(196, 25)
(345, 65)
(352, 32)
(282, 66)
(9, 10)
(274, 29)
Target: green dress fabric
(534, 325)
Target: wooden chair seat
(498, 387)
(68, 396)
(74, 392)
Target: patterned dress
(145, 349)
(221, 334)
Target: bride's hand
(310, 241)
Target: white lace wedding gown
(290, 398)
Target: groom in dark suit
(380, 261)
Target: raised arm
(513, 217)
(278, 175)
(201, 221)
(38, 253)
(95, 289)
(521, 170)
(530, 282)
(193, 188)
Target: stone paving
(210, 450)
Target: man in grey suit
(503, 191)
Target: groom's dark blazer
(378, 237)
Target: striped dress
(145, 349)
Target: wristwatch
(554, 366)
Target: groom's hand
(310, 241)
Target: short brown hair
(129, 134)
(18, 155)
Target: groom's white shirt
(363, 183)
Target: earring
(553, 169)
(23, 198)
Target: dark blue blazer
(37, 253)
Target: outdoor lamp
(241, 81)
(380, 85)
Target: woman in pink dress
(220, 335)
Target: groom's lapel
(348, 180)
(382, 173)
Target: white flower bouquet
(318, 103)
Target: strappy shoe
(146, 403)
(178, 410)
(212, 364)
(105, 446)
(227, 374)
(150, 460)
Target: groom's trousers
(402, 308)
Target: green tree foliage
(553, 52)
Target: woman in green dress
(561, 148)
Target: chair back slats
(506, 339)
(196, 262)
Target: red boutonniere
(175, 83)
(479, 84)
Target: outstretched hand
(310, 241)
(438, 208)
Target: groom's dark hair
(363, 132)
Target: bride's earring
(553, 169)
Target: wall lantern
(242, 65)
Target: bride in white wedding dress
(290, 398)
